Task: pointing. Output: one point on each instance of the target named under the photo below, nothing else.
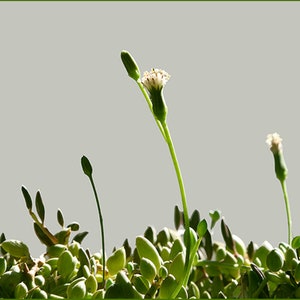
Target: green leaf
(27, 198)
(167, 287)
(195, 219)
(60, 218)
(86, 166)
(148, 269)
(74, 226)
(275, 260)
(116, 262)
(66, 264)
(21, 291)
(122, 288)
(147, 250)
(3, 265)
(2, 239)
(41, 235)
(150, 234)
(177, 266)
(15, 248)
(80, 236)
(40, 206)
(127, 248)
(202, 228)
(163, 237)
(227, 236)
(178, 217)
(215, 216)
(296, 242)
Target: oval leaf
(27, 198)
(15, 248)
(147, 250)
(60, 218)
(40, 206)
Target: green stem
(288, 212)
(183, 199)
(101, 227)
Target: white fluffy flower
(274, 141)
(155, 79)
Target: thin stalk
(101, 226)
(183, 198)
(288, 212)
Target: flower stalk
(275, 143)
(88, 171)
(152, 85)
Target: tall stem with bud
(274, 141)
(152, 85)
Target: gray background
(64, 93)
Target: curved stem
(288, 212)
(101, 226)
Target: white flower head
(155, 79)
(274, 141)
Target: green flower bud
(130, 65)
(86, 166)
(274, 141)
(154, 81)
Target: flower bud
(130, 65)
(274, 141)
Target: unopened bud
(130, 65)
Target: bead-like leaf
(27, 198)
(40, 206)
(60, 218)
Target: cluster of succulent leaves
(152, 269)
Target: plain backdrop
(64, 93)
